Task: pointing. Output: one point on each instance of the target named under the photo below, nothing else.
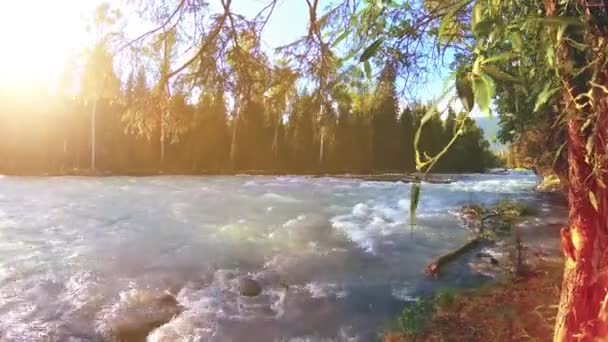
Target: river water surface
(336, 257)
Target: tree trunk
(583, 311)
(233, 138)
(275, 142)
(93, 115)
(583, 308)
(321, 147)
(162, 140)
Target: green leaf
(561, 21)
(516, 41)
(446, 22)
(368, 70)
(477, 65)
(370, 51)
(593, 200)
(484, 90)
(483, 28)
(350, 55)
(545, 95)
(498, 74)
(550, 56)
(414, 199)
(500, 57)
(495, 6)
(464, 89)
(558, 153)
(476, 16)
(392, 4)
(577, 45)
(340, 38)
(560, 32)
(521, 89)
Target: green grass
(444, 299)
(415, 318)
(511, 208)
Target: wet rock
(482, 255)
(249, 287)
(168, 300)
(134, 329)
(485, 269)
(550, 184)
(488, 258)
(138, 313)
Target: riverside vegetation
(520, 305)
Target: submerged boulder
(249, 287)
(138, 313)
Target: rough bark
(583, 308)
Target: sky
(39, 36)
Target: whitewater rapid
(336, 257)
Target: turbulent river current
(88, 259)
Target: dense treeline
(276, 130)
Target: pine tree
(385, 141)
(406, 138)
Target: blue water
(78, 255)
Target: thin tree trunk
(233, 146)
(275, 142)
(321, 147)
(162, 140)
(233, 138)
(93, 116)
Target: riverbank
(518, 309)
(519, 306)
(414, 177)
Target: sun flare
(37, 39)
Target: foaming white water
(294, 222)
(370, 223)
(279, 198)
(345, 334)
(185, 328)
(219, 301)
(82, 256)
(494, 185)
(318, 290)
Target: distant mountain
(490, 128)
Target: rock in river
(249, 287)
(138, 312)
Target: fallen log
(434, 267)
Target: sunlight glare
(37, 38)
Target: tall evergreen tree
(385, 132)
(406, 151)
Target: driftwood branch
(434, 267)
